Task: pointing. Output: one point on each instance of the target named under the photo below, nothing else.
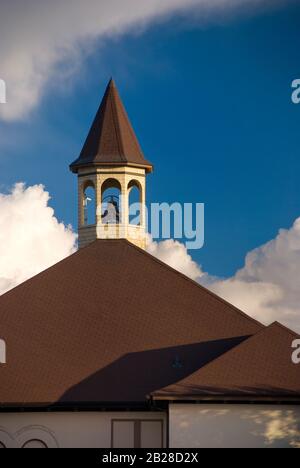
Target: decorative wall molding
(27, 434)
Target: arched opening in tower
(135, 201)
(111, 202)
(89, 205)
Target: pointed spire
(112, 83)
(111, 140)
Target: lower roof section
(259, 369)
(110, 324)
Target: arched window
(2, 352)
(34, 443)
(111, 201)
(135, 200)
(89, 204)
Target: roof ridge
(76, 253)
(116, 122)
(287, 329)
(130, 128)
(195, 283)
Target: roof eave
(74, 167)
(228, 398)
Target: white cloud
(37, 36)
(259, 300)
(31, 238)
(175, 255)
(267, 288)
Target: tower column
(125, 208)
(143, 206)
(98, 201)
(80, 204)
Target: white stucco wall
(234, 426)
(65, 430)
(191, 426)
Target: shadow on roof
(134, 376)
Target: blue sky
(212, 109)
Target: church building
(111, 348)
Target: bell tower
(111, 166)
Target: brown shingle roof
(110, 324)
(260, 366)
(111, 139)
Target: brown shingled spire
(111, 140)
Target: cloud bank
(267, 288)
(41, 42)
(31, 238)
